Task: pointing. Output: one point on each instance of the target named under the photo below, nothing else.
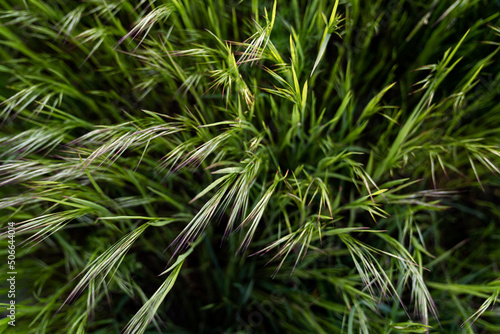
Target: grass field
(252, 166)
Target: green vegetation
(189, 166)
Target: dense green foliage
(351, 147)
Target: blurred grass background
(351, 147)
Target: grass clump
(251, 166)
